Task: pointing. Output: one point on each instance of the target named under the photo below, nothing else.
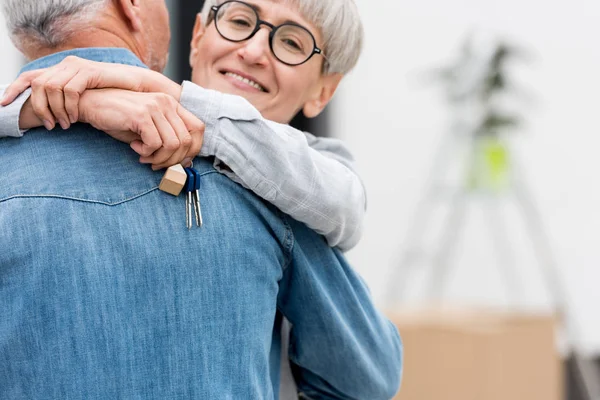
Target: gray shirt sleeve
(311, 179)
(9, 115)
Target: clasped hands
(131, 104)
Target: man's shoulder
(87, 166)
(235, 198)
(80, 163)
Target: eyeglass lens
(291, 44)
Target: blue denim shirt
(105, 294)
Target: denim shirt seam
(288, 240)
(107, 55)
(208, 172)
(77, 199)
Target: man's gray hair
(48, 22)
(338, 22)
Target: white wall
(11, 58)
(393, 125)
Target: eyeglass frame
(259, 23)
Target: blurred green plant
(479, 90)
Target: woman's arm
(56, 90)
(15, 115)
(156, 126)
(312, 179)
(309, 178)
(54, 95)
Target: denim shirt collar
(105, 54)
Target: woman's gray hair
(47, 22)
(338, 22)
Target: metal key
(196, 198)
(189, 189)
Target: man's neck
(107, 31)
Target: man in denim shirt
(104, 295)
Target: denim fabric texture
(105, 294)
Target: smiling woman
(182, 21)
(303, 83)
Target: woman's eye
(241, 22)
(292, 44)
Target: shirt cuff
(206, 105)
(9, 123)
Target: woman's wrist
(27, 118)
(157, 83)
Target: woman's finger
(185, 140)
(56, 95)
(75, 88)
(176, 158)
(124, 136)
(170, 142)
(39, 100)
(22, 82)
(196, 129)
(149, 135)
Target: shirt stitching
(57, 196)
(79, 199)
(288, 240)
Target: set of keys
(177, 179)
(192, 190)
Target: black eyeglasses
(292, 44)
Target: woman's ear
(199, 30)
(132, 12)
(322, 95)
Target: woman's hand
(157, 127)
(56, 91)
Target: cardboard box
(479, 355)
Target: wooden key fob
(174, 180)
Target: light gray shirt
(311, 179)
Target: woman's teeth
(245, 80)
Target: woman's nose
(255, 50)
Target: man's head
(39, 27)
(237, 67)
